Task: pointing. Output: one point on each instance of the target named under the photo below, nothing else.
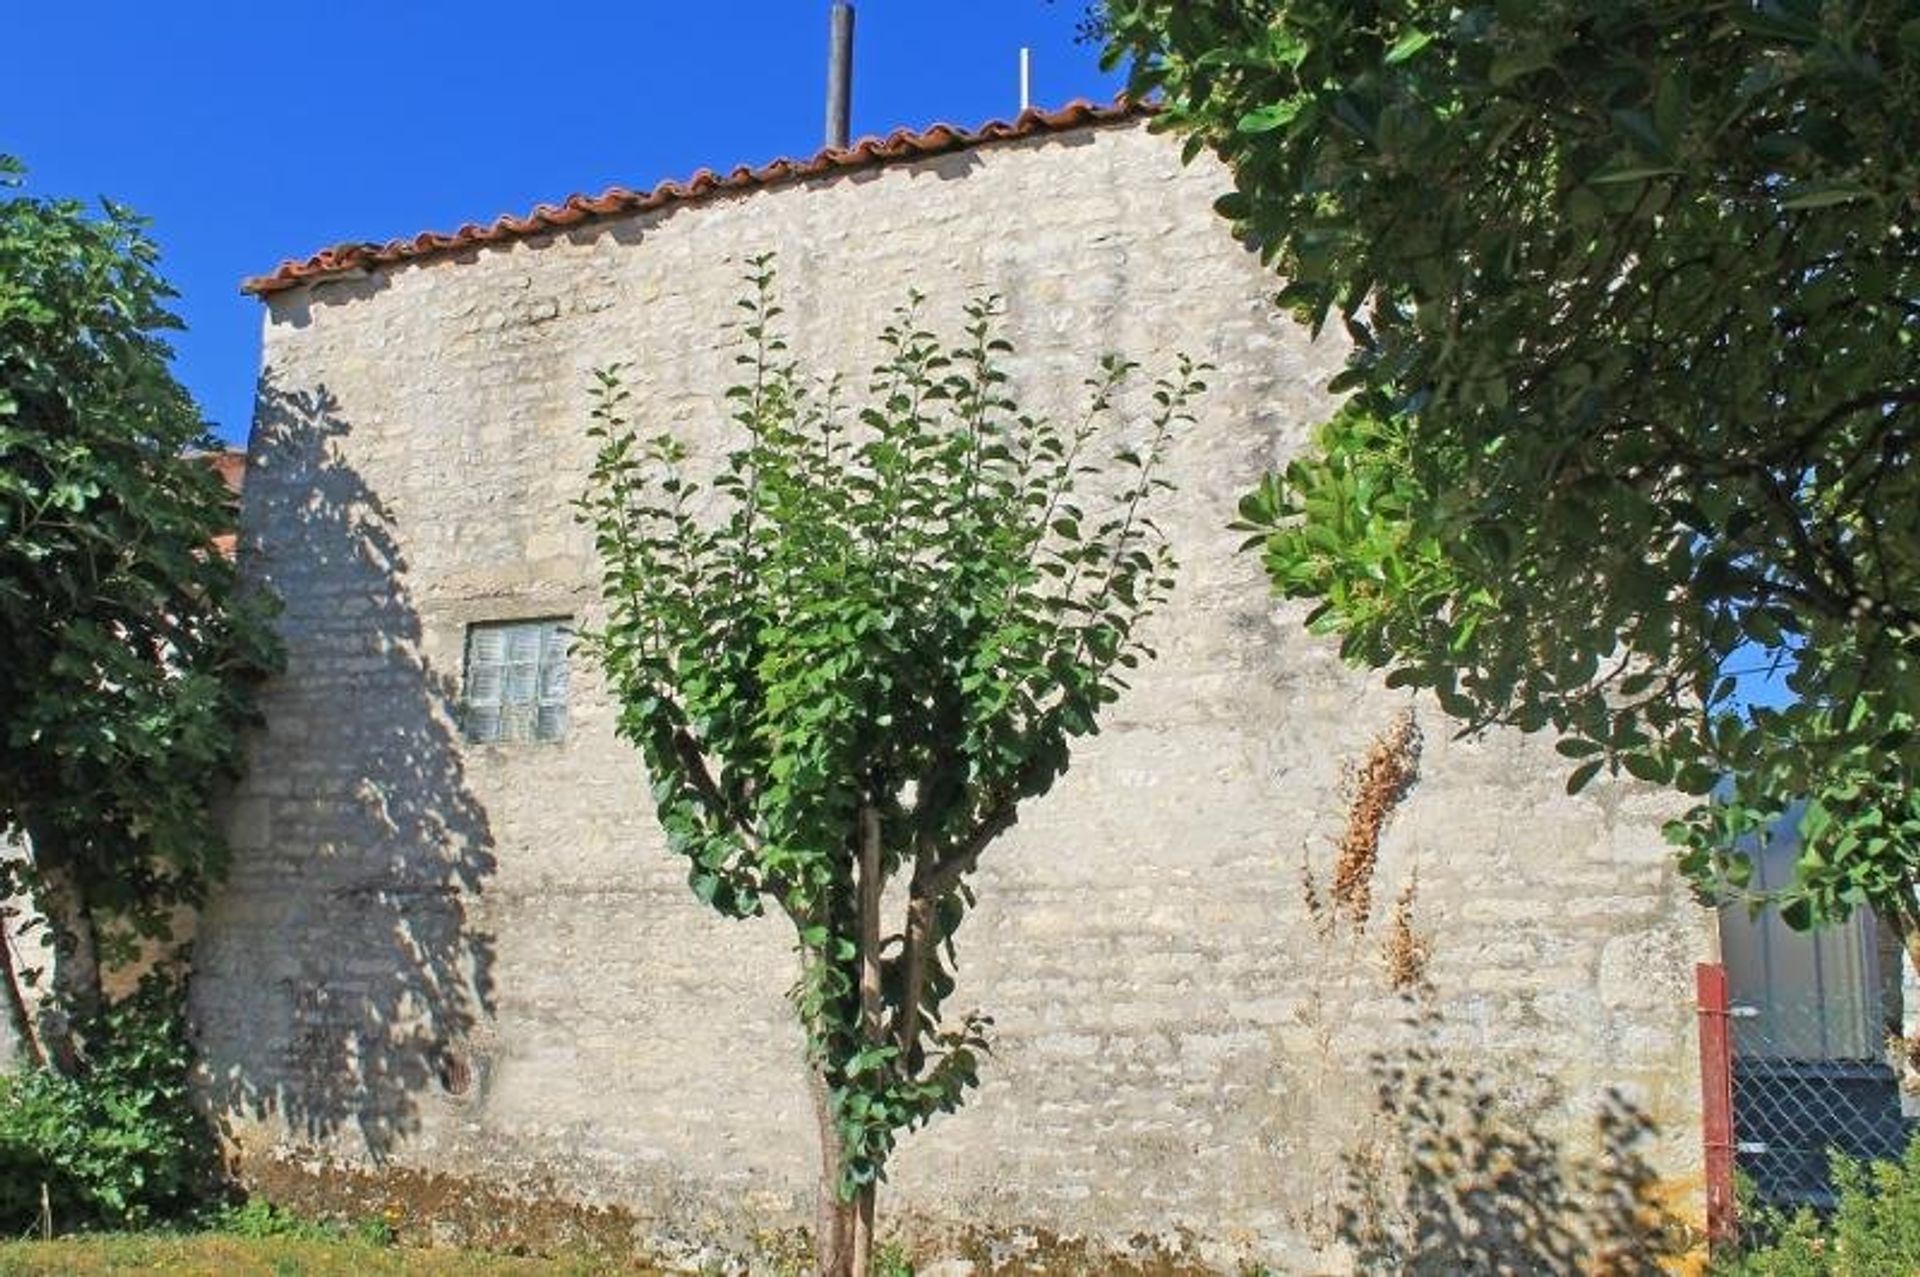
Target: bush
(119, 1146)
(259, 1218)
(1874, 1230)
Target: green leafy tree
(880, 643)
(125, 654)
(1633, 288)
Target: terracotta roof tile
(231, 465)
(903, 144)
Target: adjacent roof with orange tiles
(231, 465)
(902, 145)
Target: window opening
(516, 681)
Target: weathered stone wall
(480, 961)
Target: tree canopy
(125, 654)
(1633, 288)
(853, 655)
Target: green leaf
(1409, 43)
(1824, 194)
(1647, 767)
(1271, 116)
(1625, 173)
(1511, 65)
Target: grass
(222, 1255)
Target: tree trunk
(863, 1230)
(872, 1032)
(14, 993)
(906, 1024)
(833, 1219)
(870, 889)
(73, 976)
(1906, 926)
(1904, 921)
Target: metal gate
(1809, 1016)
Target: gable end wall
(481, 962)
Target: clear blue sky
(252, 132)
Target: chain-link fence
(1811, 1077)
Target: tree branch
(1795, 447)
(934, 879)
(687, 750)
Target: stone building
(455, 962)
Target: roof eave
(902, 146)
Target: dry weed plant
(1903, 1053)
(1371, 791)
(1317, 912)
(1406, 950)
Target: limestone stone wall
(480, 962)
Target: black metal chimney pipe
(839, 72)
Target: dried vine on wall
(1372, 790)
(1406, 950)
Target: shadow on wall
(1457, 1184)
(369, 983)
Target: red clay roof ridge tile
(900, 145)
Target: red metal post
(1716, 1099)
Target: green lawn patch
(219, 1255)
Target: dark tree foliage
(125, 654)
(1634, 292)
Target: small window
(516, 687)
